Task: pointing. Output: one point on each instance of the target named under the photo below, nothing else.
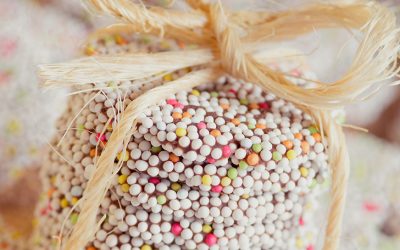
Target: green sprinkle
(313, 129)
(214, 94)
(243, 165)
(251, 126)
(244, 101)
(155, 149)
(81, 127)
(74, 218)
(313, 183)
(232, 173)
(161, 199)
(257, 147)
(276, 156)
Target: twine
(226, 40)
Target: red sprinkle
(216, 189)
(154, 180)
(371, 206)
(176, 229)
(210, 239)
(172, 102)
(301, 221)
(310, 247)
(232, 91)
(263, 105)
(226, 151)
(210, 160)
(101, 137)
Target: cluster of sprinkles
(224, 166)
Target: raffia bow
(227, 42)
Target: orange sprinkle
(235, 121)
(91, 248)
(103, 144)
(288, 144)
(261, 126)
(225, 106)
(173, 158)
(252, 159)
(253, 105)
(93, 152)
(186, 115)
(317, 137)
(177, 115)
(305, 146)
(181, 44)
(50, 192)
(298, 136)
(90, 51)
(120, 40)
(215, 132)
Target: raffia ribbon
(227, 42)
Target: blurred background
(42, 31)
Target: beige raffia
(226, 41)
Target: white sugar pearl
(196, 227)
(318, 147)
(119, 214)
(209, 140)
(101, 235)
(266, 155)
(203, 212)
(135, 189)
(141, 165)
(216, 153)
(246, 143)
(237, 214)
(186, 234)
(76, 191)
(111, 240)
(147, 122)
(240, 153)
(279, 208)
(174, 204)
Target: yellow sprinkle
(299, 243)
(291, 154)
(245, 196)
(74, 200)
(304, 171)
(64, 203)
(176, 186)
(125, 188)
(206, 180)
(146, 247)
(124, 156)
(89, 51)
(122, 179)
(225, 181)
(168, 77)
(180, 132)
(207, 228)
(195, 92)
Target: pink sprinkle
(101, 137)
(310, 247)
(179, 105)
(263, 105)
(210, 160)
(226, 151)
(201, 125)
(371, 206)
(295, 72)
(210, 239)
(176, 229)
(172, 102)
(301, 221)
(216, 189)
(154, 180)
